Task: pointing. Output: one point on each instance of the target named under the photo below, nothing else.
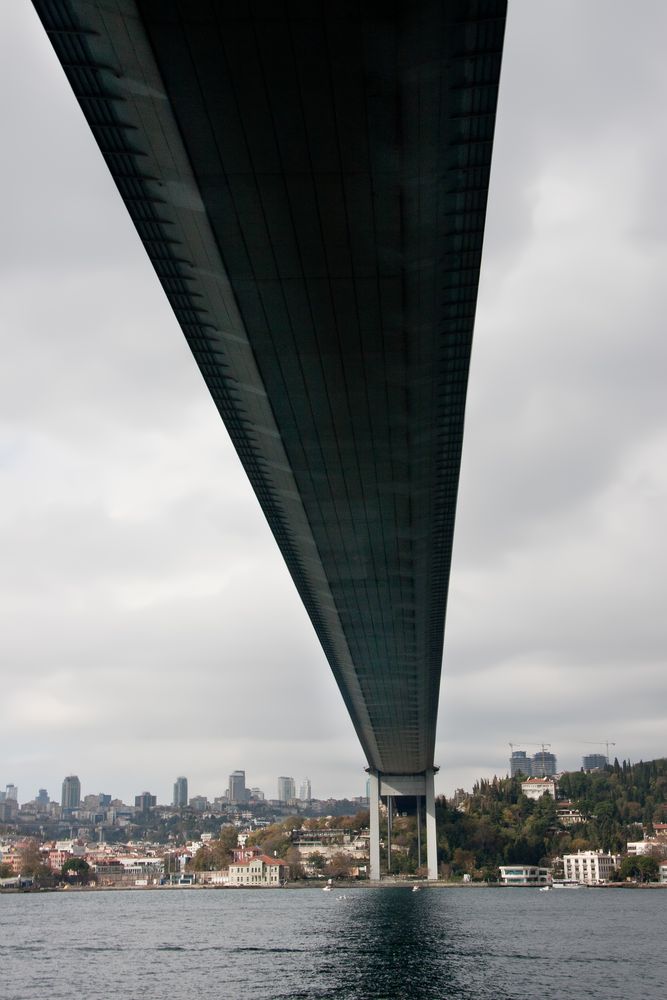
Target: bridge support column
(422, 786)
(431, 839)
(374, 809)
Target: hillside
(496, 824)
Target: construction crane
(525, 744)
(601, 743)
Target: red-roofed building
(535, 788)
(260, 870)
(245, 853)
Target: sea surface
(349, 944)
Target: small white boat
(326, 888)
(546, 888)
(416, 888)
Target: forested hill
(496, 824)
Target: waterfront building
(180, 793)
(71, 793)
(261, 870)
(589, 867)
(286, 789)
(535, 788)
(520, 763)
(524, 875)
(305, 790)
(236, 791)
(662, 872)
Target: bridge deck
(310, 182)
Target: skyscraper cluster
(541, 765)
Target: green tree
(641, 868)
(317, 861)
(76, 870)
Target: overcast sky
(148, 627)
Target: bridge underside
(310, 183)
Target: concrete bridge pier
(422, 786)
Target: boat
(416, 888)
(546, 888)
(563, 883)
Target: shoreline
(311, 887)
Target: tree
(201, 861)
(30, 858)
(76, 870)
(293, 859)
(339, 865)
(6, 871)
(317, 861)
(641, 868)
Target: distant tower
(236, 791)
(305, 791)
(286, 789)
(520, 763)
(180, 792)
(42, 797)
(544, 764)
(594, 762)
(144, 802)
(12, 793)
(71, 797)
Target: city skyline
(141, 594)
(537, 764)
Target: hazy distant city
(536, 826)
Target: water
(358, 944)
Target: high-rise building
(42, 797)
(12, 793)
(544, 764)
(520, 763)
(144, 802)
(180, 792)
(286, 789)
(305, 791)
(594, 762)
(236, 792)
(71, 796)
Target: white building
(567, 814)
(524, 875)
(305, 790)
(663, 872)
(535, 788)
(589, 867)
(646, 846)
(261, 870)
